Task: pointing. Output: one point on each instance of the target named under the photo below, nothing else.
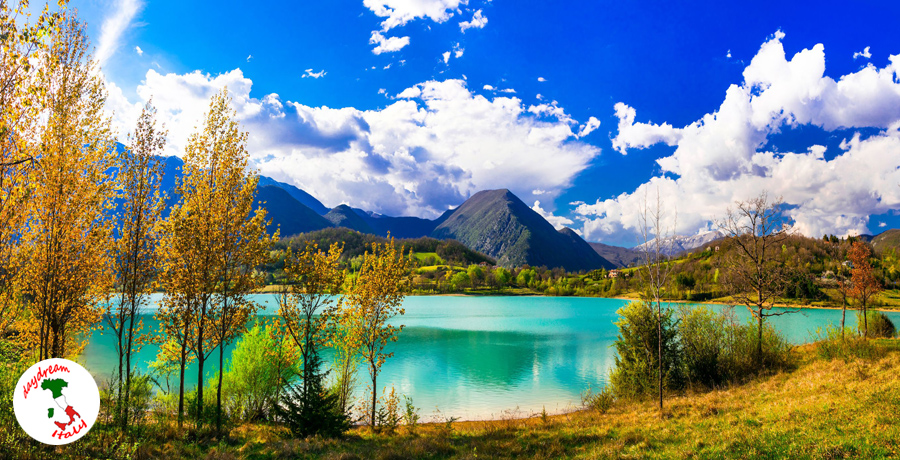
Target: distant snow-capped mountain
(678, 244)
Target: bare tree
(655, 271)
(753, 270)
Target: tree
(136, 263)
(20, 104)
(862, 277)
(753, 271)
(375, 297)
(241, 231)
(213, 243)
(655, 271)
(65, 258)
(307, 304)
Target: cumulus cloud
(592, 124)
(434, 146)
(310, 74)
(387, 44)
(400, 12)
(882, 224)
(723, 157)
(478, 22)
(862, 54)
(446, 56)
(138, 50)
(557, 221)
(640, 135)
(113, 27)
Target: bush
(717, 350)
(880, 326)
(262, 364)
(832, 345)
(637, 349)
(600, 401)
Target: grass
(824, 409)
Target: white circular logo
(56, 401)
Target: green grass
(824, 409)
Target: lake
(486, 357)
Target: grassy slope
(823, 409)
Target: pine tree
(309, 409)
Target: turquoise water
(482, 357)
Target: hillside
(304, 198)
(886, 240)
(499, 224)
(398, 227)
(344, 216)
(619, 256)
(288, 214)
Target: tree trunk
(374, 393)
(759, 338)
(219, 389)
(659, 346)
(181, 384)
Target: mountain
(299, 195)
(678, 244)
(621, 257)
(889, 239)
(344, 216)
(398, 227)
(584, 250)
(288, 214)
(499, 224)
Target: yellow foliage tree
(20, 105)
(65, 258)
(136, 263)
(213, 244)
(243, 240)
(306, 300)
(375, 297)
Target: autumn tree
(66, 269)
(753, 269)
(21, 96)
(308, 306)
(306, 300)
(243, 242)
(655, 270)
(864, 285)
(375, 297)
(140, 173)
(214, 240)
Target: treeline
(69, 264)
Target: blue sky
(406, 107)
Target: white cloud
(589, 127)
(538, 192)
(458, 52)
(640, 135)
(400, 12)
(249, 57)
(310, 74)
(728, 54)
(722, 157)
(387, 45)
(113, 27)
(558, 222)
(138, 50)
(478, 22)
(446, 56)
(434, 146)
(882, 224)
(542, 79)
(488, 88)
(863, 54)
